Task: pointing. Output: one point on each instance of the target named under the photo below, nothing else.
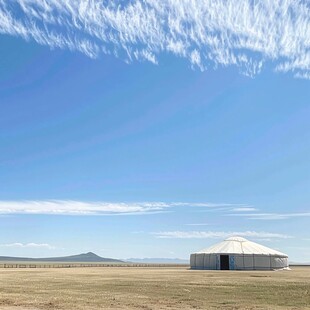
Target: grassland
(152, 288)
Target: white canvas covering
(238, 253)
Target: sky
(153, 129)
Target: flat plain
(152, 288)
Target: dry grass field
(152, 288)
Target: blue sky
(153, 140)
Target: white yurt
(236, 253)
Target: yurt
(238, 253)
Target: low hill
(81, 258)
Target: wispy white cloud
(69, 207)
(27, 245)
(198, 224)
(222, 205)
(229, 208)
(102, 208)
(218, 234)
(272, 216)
(244, 209)
(209, 33)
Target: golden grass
(152, 288)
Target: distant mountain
(158, 260)
(81, 258)
(299, 264)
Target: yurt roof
(239, 245)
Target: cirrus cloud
(208, 33)
(218, 234)
(27, 245)
(272, 216)
(71, 207)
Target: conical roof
(239, 245)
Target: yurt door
(224, 262)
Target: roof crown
(236, 238)
(239, 245)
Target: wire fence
(86, 265)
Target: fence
(84, 265)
